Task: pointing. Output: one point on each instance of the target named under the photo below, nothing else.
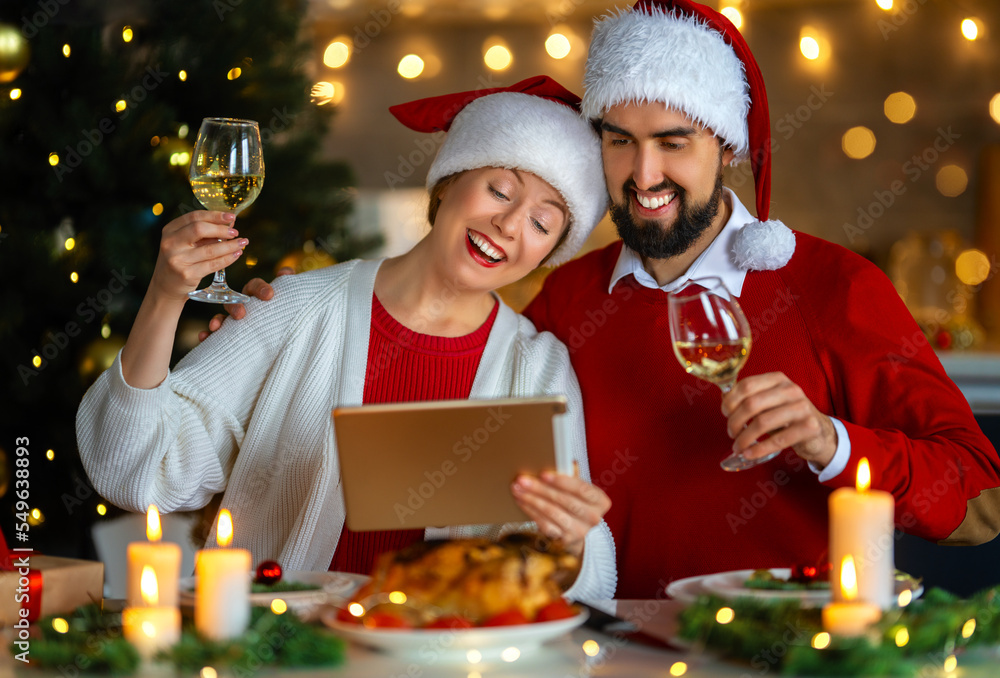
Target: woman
(517, 182)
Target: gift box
(44, 585)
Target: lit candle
(151, 627)
(163, 557)
(222, 592)
(851, 617)
(861, 526)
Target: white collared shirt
(717, 261)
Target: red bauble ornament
(268, 573)
(943, 339)
(807, 574)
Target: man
(678, 96)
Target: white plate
(687, 590)
(332, 587)
(490, 643)
(732, 585)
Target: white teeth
(485, 247)
(654, 203)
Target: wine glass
(227, 173)
(711, 339)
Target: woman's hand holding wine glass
(191, 247)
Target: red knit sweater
(404, 366)
(831, 322)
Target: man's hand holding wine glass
(772, 409)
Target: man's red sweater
(833, 323)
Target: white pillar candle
(151, 627)
(849, 619)
(222, 589)
(163, 557)
(852, 617)
(861, 526)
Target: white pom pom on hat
(534, 126)
(694, 60)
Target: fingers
(768, 413)
(789, 437)
(258, 288)
(284, 270)
(192, 247)
(237, 311)
(223, 220)
(749, 386)
(752, 406)
(562, 506)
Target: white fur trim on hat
(529, 133)
(763, 246)
(641, 57)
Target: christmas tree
(99, 108)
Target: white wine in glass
(227, 173)
(711, 339)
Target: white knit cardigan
(248, 412)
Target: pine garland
(94, 644)
(781, 635)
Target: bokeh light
(410, 66)
(972, 267)
(337, 53)
(733, 15)
(970, 29)
(900, 107)
(498, 57)
(858, 142)
(809, 47)
(951, 181)
(557, 46)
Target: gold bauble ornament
(306, 259)
(98, 356)
(14, 52)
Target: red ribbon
(33, 603)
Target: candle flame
(848, 578)
(224, 533)
(148, 587)
(864, 481)
(153, 531)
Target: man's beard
(649, 239)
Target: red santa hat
(534, 126)
(694, 60)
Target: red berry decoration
(268, 573)
(806, 574)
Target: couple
(677, 96)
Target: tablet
(445, 462)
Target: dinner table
(649, 647)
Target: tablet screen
(445, 462)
